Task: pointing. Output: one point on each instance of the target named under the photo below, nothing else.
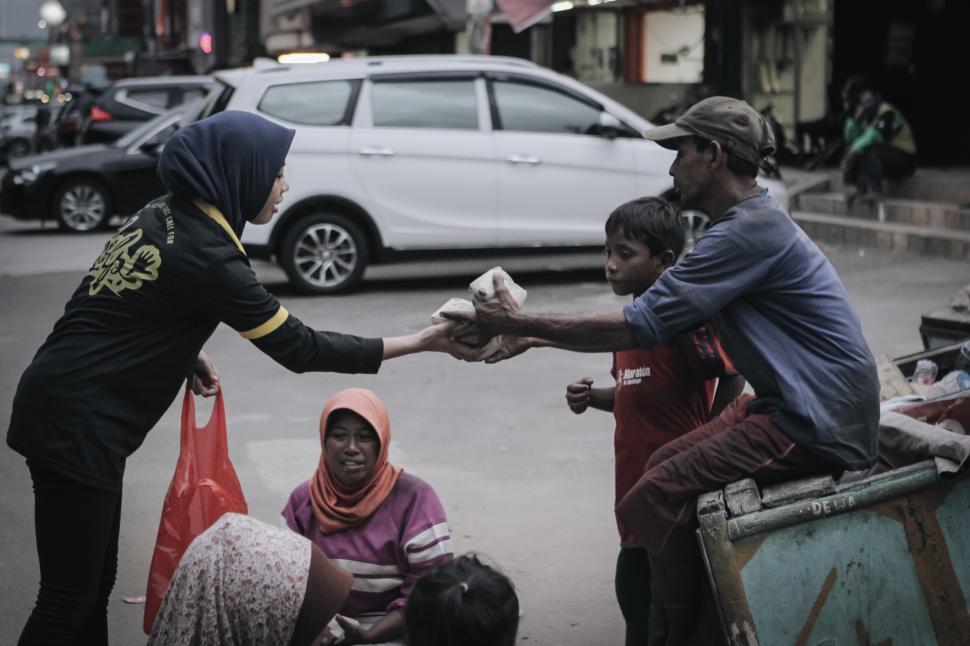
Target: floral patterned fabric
(240, 582)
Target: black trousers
(878, 161)
(633, 593)
(77, 546)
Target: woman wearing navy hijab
(130, 334)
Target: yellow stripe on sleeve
(268, 327)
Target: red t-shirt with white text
(660, 395)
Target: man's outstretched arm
(582, 331)
(579, 332)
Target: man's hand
(511, 346)
(494, 316)
(204, 379)
(578, 395)
(849, 161)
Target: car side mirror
(152, 147)
(154, 144)
(609, 126)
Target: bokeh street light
(52, 13)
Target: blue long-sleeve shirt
(784, 318)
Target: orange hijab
(334, 506)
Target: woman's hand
(353, 633)
(204, 379)
(326, 638)
(437, 338)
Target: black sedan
(82, 188)
(130, 102)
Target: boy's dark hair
(462, 603)
(652, 221)
(738, 166)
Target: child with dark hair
(650, 221)
(660, 394)
(462, 603)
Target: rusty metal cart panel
(877, 561)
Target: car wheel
(695, 224)
(324, 253)
(82, 205)
(18, 148)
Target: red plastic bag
(203, 488)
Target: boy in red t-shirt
(660, 394)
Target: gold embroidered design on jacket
(118, 268)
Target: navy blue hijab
(229, 160)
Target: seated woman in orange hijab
(385, 526)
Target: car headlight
(32, 174)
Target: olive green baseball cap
(739, 128)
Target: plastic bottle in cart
(962, 367)
(963, 359)
(925, 372)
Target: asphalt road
(525, 482)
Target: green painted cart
(862, 561)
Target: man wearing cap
(784, 318)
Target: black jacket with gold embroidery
(131, 332)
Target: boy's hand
(511, 346)
(578, 395)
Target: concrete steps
(936, 215)
(928, 184)
(847, 230)
(928, 214)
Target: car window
(156, 97)
(322, 103)
(137, 133)
(192, 93)
(187, 114)
(532, 108)
(425, 103)
(218, 100)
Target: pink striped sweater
(407, 536)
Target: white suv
(404, 154)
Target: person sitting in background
(879, 142)
(245, 582)
(385, 526)
(462, 603)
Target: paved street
(524, 481)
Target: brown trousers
(660, 509)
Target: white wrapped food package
(483, 287)
(462, 305)
(467, 329)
